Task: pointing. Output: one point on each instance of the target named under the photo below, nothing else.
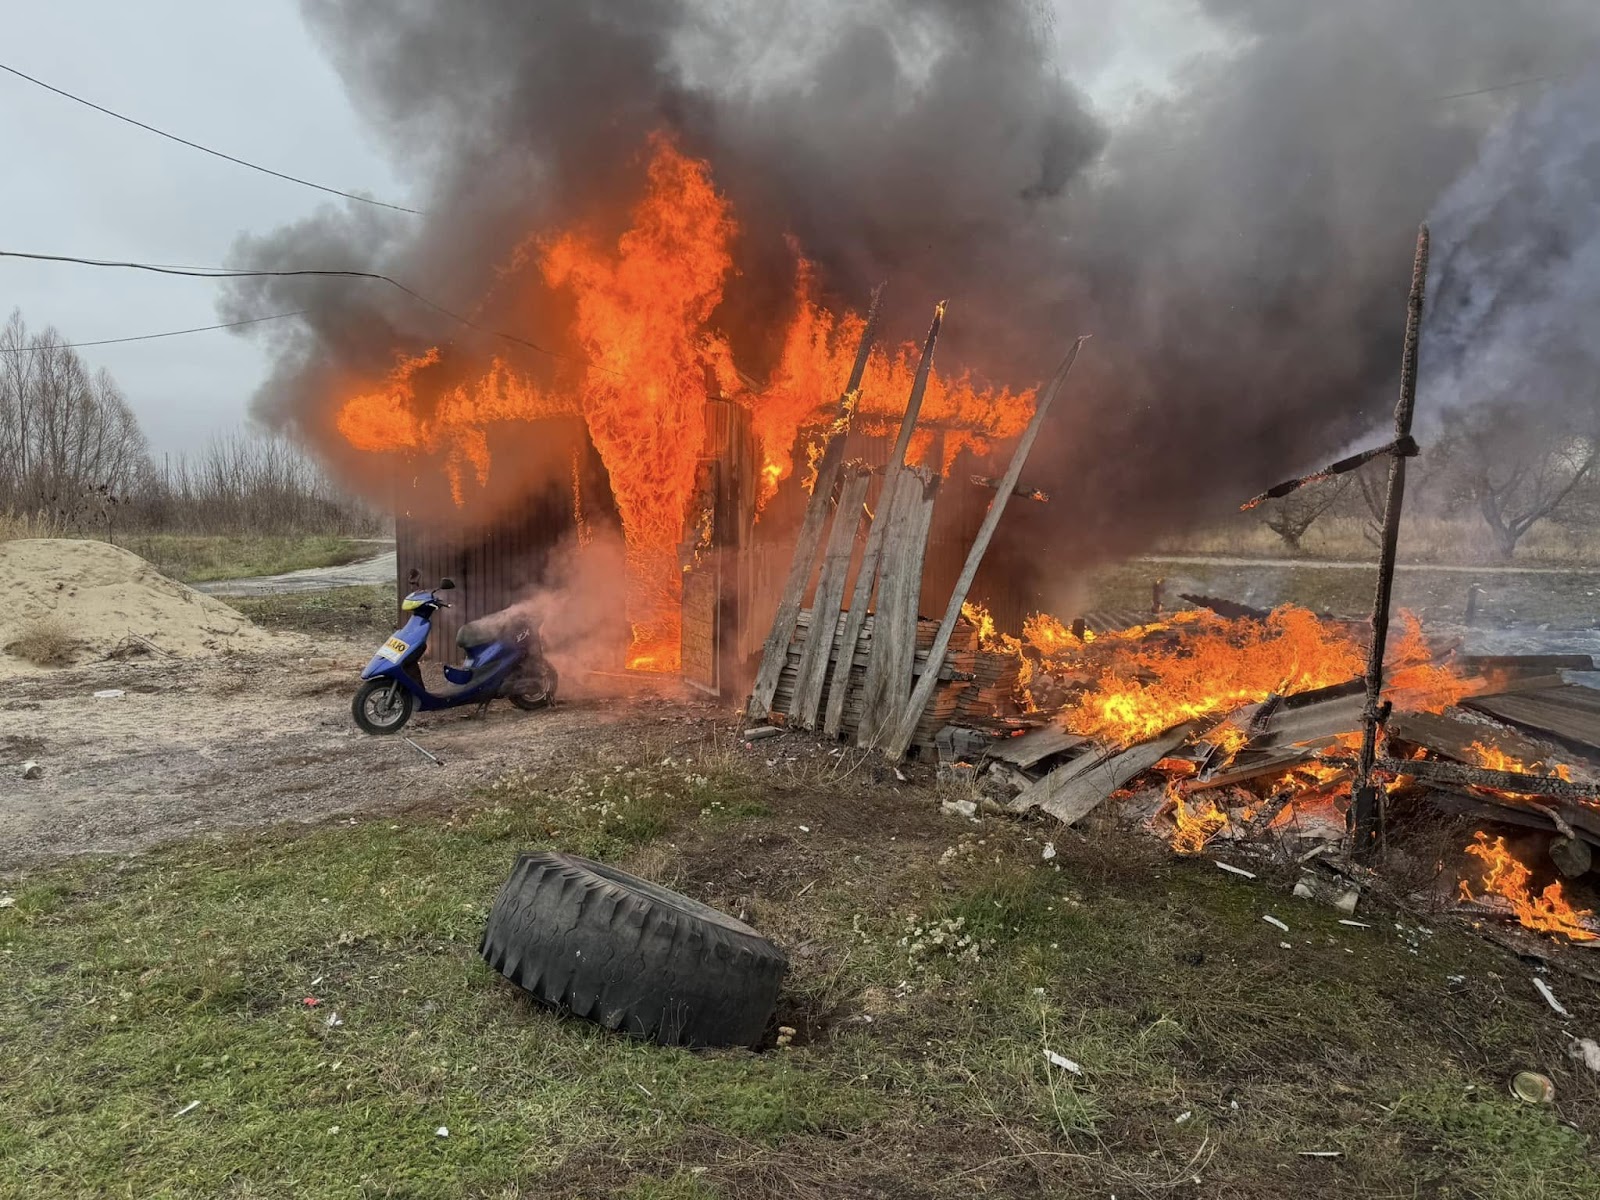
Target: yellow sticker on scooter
(394, 650)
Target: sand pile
(71, 601)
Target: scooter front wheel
(382, 705)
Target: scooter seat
(498, 626)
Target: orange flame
(1194, 827)
(1548, 912)
(1417, 683)
(642, 312)
(1495, 759)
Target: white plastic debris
(1233, 870)
(109, 694)
(335, 1020)
(960, 808)
(442, 1131)
(1183, 1116)
(1543, 989)
(1356, 924)
(8, 901)
(1285, 946)
(900, 775)
(31, 770)
(1066, 1064)
(1321, 1153)
(187, 1108)
(1275, 923)
(1049, 851)
(805, 829)
(1586, 1051)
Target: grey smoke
(1240, 247)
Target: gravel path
(379, 569)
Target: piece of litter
(187, 1108)
(8, 901)
(442, 1131)
(311, 1002)
(1355, 924)
(1233, 1104)
(109, 694)
(1285, 946)
(31, 770)
(1049, 851)
(1038, 991)
(335, 1020)
(316, 981)
(333, 1129)
(900, 775)
(1586, 1051)
(1182, 1117)
(1066, 1064)
(1321, 1153)
(1550, 997)
(1233, 870)
(1275, 923)
(805, 829)
(761, 732)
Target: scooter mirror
(447, 585)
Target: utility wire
(172, 137)
(232, 273)
(150, 337)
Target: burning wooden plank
(1567, 712)
(899, 739)
(871, 555)
(1071, 792)
(829, 465)
(900, 588)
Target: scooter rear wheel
(382, 705)
(537, 692)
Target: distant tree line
(1505, 468)
(73, 457)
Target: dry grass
(14, 526)
(45, 642)
(1454, 540)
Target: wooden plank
(1568, 712)
(899, 739)
(1445, 733)
(805, 551)
(1037, 745)
(1074, 791)
(841, 547)
(871, 557)
(894, 634)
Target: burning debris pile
(1212, 730)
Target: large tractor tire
(596, 942)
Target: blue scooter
(504, 657)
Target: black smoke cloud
(1240, 244)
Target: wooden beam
(894, 632)
(1072, 792)
(900, 739)
(867, 576)
(775, 651)
(813, 668)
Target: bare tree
(1518, 471)
(1291, 516)
(69, 443)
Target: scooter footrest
(458, 674)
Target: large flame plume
(1547, 911)
(643, 310)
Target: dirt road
(206, 745)
(379, 569)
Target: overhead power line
(150, 337)
(172, 137)
(343, 273)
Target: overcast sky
(244, 78)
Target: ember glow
(643, 324)
(1505, 877)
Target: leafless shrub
(45, 642)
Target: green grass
(131, 989)
(348, 610)
(202, 558)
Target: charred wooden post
(841, 547)
(775, 652)
(1367, 809)
(1435, 771)
(1080, 629)
(871, 556)
(900, 739)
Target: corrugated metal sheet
(1568, 712)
